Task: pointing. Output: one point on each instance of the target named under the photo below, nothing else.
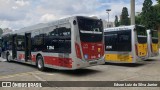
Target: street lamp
(108, 10)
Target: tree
(157, 9)
(116, 21)
(124, 17)
(138, 19)
(155, 17)
(158, 1)
(1, 32)
(147, 14)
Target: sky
(16, 14)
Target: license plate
(143, 58)
(93, 63)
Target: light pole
(132, 12)
(108, 10)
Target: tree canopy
(124, 20)
(1, 31)
(150, 15)
(116, 22)
(147, 14)
(158, 1)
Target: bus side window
(65, 39)
(111, 41)
(20, 42)
(50, 40)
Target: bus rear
(89, 47)
(118, 45)
(141, 46)
(152, 39)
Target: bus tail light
(136, 49)
(78, 52)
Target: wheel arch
(39, 54)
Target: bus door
(27, 46)
(14, 46)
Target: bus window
(111, 41)
(141, 31)
(124, 40)
(7, 43)
(154, 35)
(115, 40)
(59, 39)
(90, 30)
(20, 42)
(37, 41)
(142, 35)
(65, 40)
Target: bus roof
(43, 25)
(8, 33)
(121, 28)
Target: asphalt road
(148, 70)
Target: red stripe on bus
(21, 56)
(64, 62)
(33, 58)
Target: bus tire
(40, 63)
(7, 57)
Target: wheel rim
(39, 63)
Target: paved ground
(148, 70)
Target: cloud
(47, 17)
(22, 2)
(21, 13)
(14, 7)
(10, 11)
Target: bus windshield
(115, 40)
(142, 34)
(154, 34)
(90, 29)
(141, 31)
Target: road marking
(129, 78)
(2, 60)
(39, 78)
(19, 74)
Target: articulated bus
(67, 44)
(152, 39)
(125, 44)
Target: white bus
(67, 44)
(152, 39)
(125, 44)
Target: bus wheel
(40, 63)
(8, 57)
